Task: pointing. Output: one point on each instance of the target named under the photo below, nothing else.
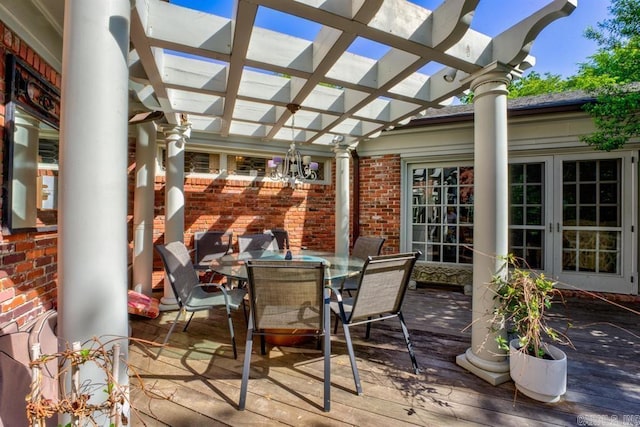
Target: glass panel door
(591, 216)
(527, 213)
(442, 213)
(570, 216)
(593, 223)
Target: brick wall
(306, 212)
(380, 199)
(28, 269)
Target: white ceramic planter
(540, 379)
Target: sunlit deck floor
(198, 381)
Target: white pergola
(234, 79)
(227, 81)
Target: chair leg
(166, 339)
(405, 332)
(246, 313)
(352, 358)
(263, 345)
(327, 355)
(368, 332)
(188, 322)
(232, 332)
(246, 366)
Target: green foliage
(622, 27)
(616, 118)
(611, 75)
(531, 84)
(466, 97)
(535, 84)
(85, 353)
(522, 298)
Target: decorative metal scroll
(31, 92)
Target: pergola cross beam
(205, 65)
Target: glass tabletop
(337, 267)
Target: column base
(495, 373)
(168, 304)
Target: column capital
(496, 72)
(177, 133)
(340, 146)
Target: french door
(572, 217)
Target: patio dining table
(338, 267)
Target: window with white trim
(232, 164)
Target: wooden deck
(197, 381)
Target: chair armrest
(222, 288)
(213, 285)
(337, 293)
(210, 285)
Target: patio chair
(193, 296)
(257, 242)
(210, 245)
(282, 237)
(287, 297)
(381, 290)
(363, 248)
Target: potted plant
(523, 297)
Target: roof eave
(465, 113)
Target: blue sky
(558, 49)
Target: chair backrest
(180, 271)
(211, 243)
(367, 246)
(257, 242)
(383, 284)
(282, 237)
(286, 294)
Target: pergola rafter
(234, 78)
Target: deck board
(201, 381)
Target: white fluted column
(92, 201)
(143, 208)
(490, 227)
(342, 197)
(174, 198)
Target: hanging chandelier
(293, 166)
